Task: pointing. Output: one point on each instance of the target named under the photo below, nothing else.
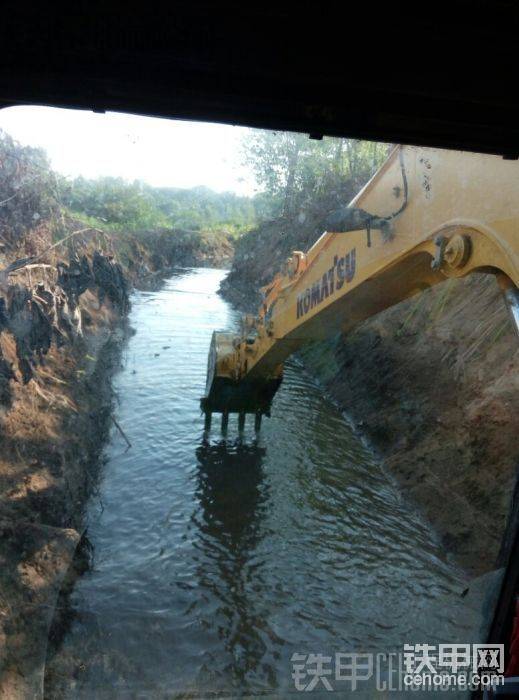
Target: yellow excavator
(425, 216)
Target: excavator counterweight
(424, 217)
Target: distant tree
(27, 188)
(138, 206)
(292, 168)
(275, 159)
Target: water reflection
(230, 476)
(233, 498)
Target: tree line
(138, 206)
(30, 192)
(294, 169)
(291, 170)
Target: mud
(62, 330)
(52, 436)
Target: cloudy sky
(159, 151)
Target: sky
(161, 152)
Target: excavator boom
(425, 216)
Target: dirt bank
(433, 384)
(151, 253)
(62, 325)
(55, 416)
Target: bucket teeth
(242, 416)
(225, 422)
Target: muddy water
(216, 560)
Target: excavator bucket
(226, 393)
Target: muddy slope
(62, 326)
(57, 346)
(155, 251)
(433, 383)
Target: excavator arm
(425, 216)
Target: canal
(215, 560)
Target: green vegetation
(28, 189)
(300, 178)
(30, 193)
(294, 169)
(119, 205)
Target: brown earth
(151, 253)
(51, 437)
(53, 429)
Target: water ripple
(216, 560)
